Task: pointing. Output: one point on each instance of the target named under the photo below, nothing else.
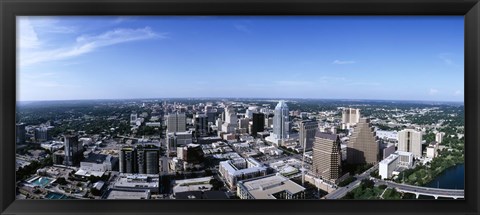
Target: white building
(281, 121)
(410, 140)
(439, 137)
(405, 159)
(432, 150)
(350, 116)
(270, 187)
(231, 121)
(387, 166)
(239, 169)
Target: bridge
(426, 191)
(405, 188)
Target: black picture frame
(9, 9)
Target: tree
(61, 181)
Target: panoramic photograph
(240, 107)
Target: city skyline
(318, 57)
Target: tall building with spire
(363, 146)
(281, 121)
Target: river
(452, 178)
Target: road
(342, 191)
(422, 190)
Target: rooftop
(120, 194)
(265, 187)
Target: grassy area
(423, 174)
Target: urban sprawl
(236, 149)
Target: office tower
(127, 161)
(176, 122)
(20, 133)
(133, 118)
(43, 133)
(258, 123)
(363, 146)
(147, 160)
(410, 140)
(350, 116)
(243, 123)
(326, 156)
(281, 121)
(439, 137)
(307, 132)
(73, 150)
(201, 125)
(231, 120)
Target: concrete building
(127, 162)
(176, 122)
(20, 133)
(327, 156)
(137, 182)
(270, 187)
(307, 131)
(281, 121)
(240, 169)
(43, 133)
(177, 139)
(405, 159)
(410, 140)
(363, 146)
(133, 119)
(147, 160)
(258, 123)
(243, 123)
(73, 150)
(432, 150)
(387, 166)
(350, 116)
(231, 120)
(439, 137)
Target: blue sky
(339, 57)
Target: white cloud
(433, 91)
(242, 28)
(458, 93)
(340, 62)
(446, 58)
(27, 37)
(88, 43)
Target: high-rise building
(410, 140)
(281, 121)
(258, 123)
(243, 123)
(133, 118)
(363, 146)
(176, 122)
(350, 116)
(43, 133)
(20, 133)
(439, 137)
(201, 125)
(307, 132)
(327, 156)
(73, 150)
(127, 161)
(231, 120)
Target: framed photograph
(256, 107)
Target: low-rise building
(387, 166)
(239, 169)
(270, 187)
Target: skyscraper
(20, 133)
(258, 123)
(201, 125)
(307, 132)
(439, 137)
(176, 122)
(410, 140)
(73, 150)
(231, 120)
(326, 156)
(281, 121)
(363, 146)
(133, 118)
(350, 116)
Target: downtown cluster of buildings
(254, 151)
